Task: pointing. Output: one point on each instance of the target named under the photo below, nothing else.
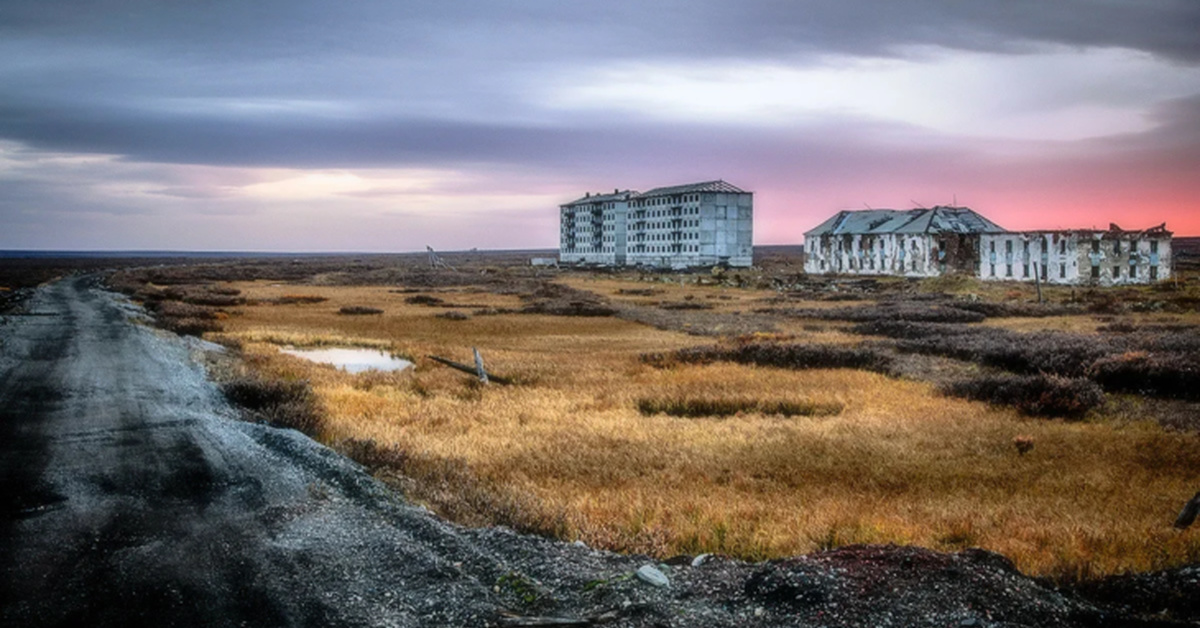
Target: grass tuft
(359, 310)
(698, 407)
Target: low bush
(912, 330)
(359, 310)
(1019, 310)
(1174, 375)
(1034, 395)
(693, 407)
(453, 315)
(423, 299)
(1118, 327)
(559, 300)
(1130, 359)
(903, 311)
(1126, 327)
(211, 298)
(685, 305)
(298, 299)
(1057, 353)
(178, 309)
(189, 326)
(790, 356)
(1181, 340)
(281, 403)
(569, 308)
(493, 311)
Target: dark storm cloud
(443, 82)
(688, 150)
(612, 27)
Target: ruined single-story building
(1078, 256)
(906, 243)
(933, 242)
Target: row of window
(1117, 271)
(667, 225)
(1008, 270)
(651, 248)
(666, 200)
(660, 237)
(870, 264)
(1118, 246)
(1008, 246)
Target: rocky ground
(132, 495)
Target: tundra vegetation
(779, 415)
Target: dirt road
(131, 495)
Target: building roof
(616, 195)
(877, 221)
(692, 188)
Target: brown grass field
(576, 448)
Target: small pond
(352, 360)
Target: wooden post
(470, 370)
(483, 376)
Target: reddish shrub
(1035, 395)
(1175, 375)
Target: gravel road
(131, 495)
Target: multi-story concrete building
(592, 229)
(1083, 256)
(933, 242)
(699, 224)
(906, 243)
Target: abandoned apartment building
(941, 240)
(698, 224)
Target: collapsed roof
(940, 219)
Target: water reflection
(352, 360)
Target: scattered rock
(651, 575)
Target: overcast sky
(380, 125)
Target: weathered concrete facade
(906, 243)
(592, 229)
(699, 224)
(933, 242)
(1077, 257)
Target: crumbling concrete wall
(901, 255)
(1087, 257)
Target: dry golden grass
(898, 464)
